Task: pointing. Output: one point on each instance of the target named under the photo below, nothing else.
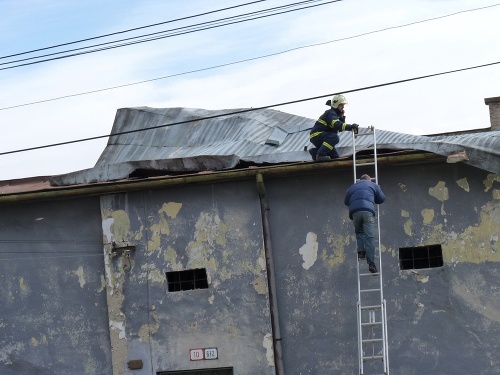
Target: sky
(331, 48)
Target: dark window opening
(214, 371)
(187, 280)
(412, 258)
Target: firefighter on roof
(324, 134)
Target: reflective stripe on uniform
(327, 145)
(312, 135)
(322, 122)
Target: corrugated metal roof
(258, 136)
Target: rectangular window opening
(413, 258)
(187, 280)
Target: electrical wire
(249, 110)
(129, 30)
(247, 60)
(180, 32)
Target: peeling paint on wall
(23, 286)
(260, 284)
(440, 191)
(490, 179)
(419, 312)
(427, 215)
(496, 193)
(464, 184)
(81, 277)
(171, 209)
(267, 343)
(119, 326)
(309, 250)
(478, 243)
(210, 231)
(147, 330)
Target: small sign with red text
(202, 354)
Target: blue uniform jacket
(330, 121)
(362, 196)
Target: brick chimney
(494, 104)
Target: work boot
(372, 268)
(361, 254)
(323, 158)
(313, 151)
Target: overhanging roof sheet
(263, 136)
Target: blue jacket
(330, 121)
(362, 196)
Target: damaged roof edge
(50, 193)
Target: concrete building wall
(216, 227)
(63, 287)
(440, 321)
(53, 316)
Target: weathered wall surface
(440, 321)
(61, 287)
(53, 318)
(216, 227)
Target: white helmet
(338, 99)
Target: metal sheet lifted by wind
(264, 136)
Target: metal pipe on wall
(273, 301)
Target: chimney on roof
(494, 104)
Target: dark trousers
(364, 227)
(325, 143)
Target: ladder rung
(370, 290)
(374, 357)
(371, 324)
(369, 274)
(368, 341)
(373, 307)
(363, 134)
(367, 163)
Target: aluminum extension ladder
(372, 315)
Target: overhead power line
(246, 60)
(249, 110)
(170, 33)
(130, 30)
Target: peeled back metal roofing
(263, 136)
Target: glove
(355, 128)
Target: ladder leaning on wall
(371, 306)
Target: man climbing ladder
(371, 306)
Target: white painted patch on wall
(106, 228)
(113, 324)
(7, 351)
(81, 278)
(268, 344)
(309, 250)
